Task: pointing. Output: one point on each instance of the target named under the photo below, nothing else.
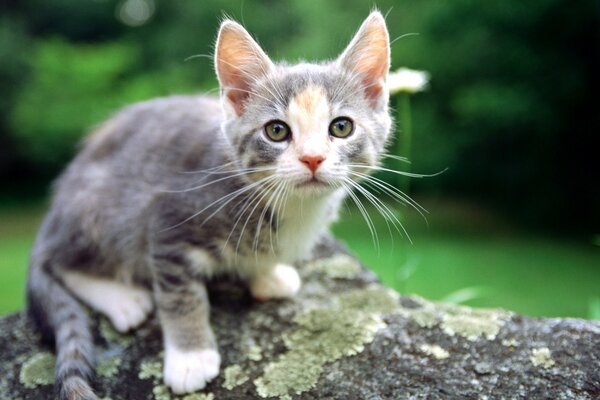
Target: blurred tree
(73, 87)
(510, 111)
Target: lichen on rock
(467, 322)
(340, 266)
(254, 353)
(371, 300)
(161, 392)
(473, 323)
(542, 358)
(324, 335)
(111, 335)
(38, 370)
(109, 367)
(150, 369)
(435, 351)
(199, 396)
(234, 376)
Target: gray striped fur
(144, 203)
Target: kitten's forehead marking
(309, 112)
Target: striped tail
(60, 316)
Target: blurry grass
(18, 226)
(465, 255)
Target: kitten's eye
(341, 127)
(277, 131)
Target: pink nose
(312, 162)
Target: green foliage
(13, 65)
(74, 86)
(510, 109)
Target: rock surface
(344, 337)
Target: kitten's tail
(60, 316)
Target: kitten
(172, 191)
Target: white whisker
(256, 204)
(265, 186)
(232, 175)
(364, 214)
(229, 197)
(409, 174)
(392, 191)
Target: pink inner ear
(373, 92)
(234, 81)
(240, 61)
(368, 56)
(237, 98)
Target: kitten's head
(311, 127)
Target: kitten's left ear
(239, 61)
(368, 56)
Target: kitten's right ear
(368, 56)
(239, 61)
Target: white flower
(407, 81)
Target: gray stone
(343, 337)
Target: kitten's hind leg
(126, 306)
(279, 282)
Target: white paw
(186, 372)
(281, 282)
(126, 306)
(130, 309)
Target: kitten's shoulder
(153, 118)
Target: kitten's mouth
(313, 182)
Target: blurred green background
(511, 111)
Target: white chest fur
(302, 222)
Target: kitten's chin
(313, 187)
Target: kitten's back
(156, 137)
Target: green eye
(341, 127)
(277, 131)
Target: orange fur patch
(308, 110)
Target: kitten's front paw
(186, 372)
(281, 282)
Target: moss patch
(234, 376)
(434, 351)
(372, 300)
(161, 392)
(324, 335)
(38, 370)
(470, 323)
(150, 369)
(109, 367)
(340, 266)
(254, 353)
(111, 335)
(199, 396)
(542, 358)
